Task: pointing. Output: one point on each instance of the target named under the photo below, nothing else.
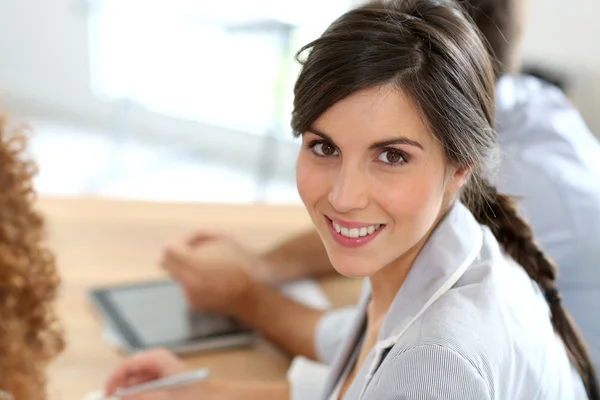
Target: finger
(122, 376)
(115, 381)
(145, 364)
(190, 242)
(200, 237)
(182, 257)
(177, 252)
(183, 275)
(141, 377)
(169, 260)
(187, 280)
(166, 256)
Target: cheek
(414, 196)
(308, 182)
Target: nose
(350, 191)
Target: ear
(457, 177)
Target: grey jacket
(467, 323)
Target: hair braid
(515, 235)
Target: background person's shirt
(551, 161)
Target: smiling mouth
(355, 232)
(355, 236)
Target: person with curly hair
(30, 335)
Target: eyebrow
(376, 145)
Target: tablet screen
(154, 314)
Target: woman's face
(373, 179)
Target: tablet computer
(155, 314)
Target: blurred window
(225, 63)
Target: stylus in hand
(170, 382)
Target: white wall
(565, 34)
(45, 69)
(43, 47)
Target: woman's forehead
(372, 115)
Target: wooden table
(103, 242)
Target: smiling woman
(394, 105)
(362, 173)
(395, 109)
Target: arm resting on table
(301, 256)
(288, 324)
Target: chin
(352, 266)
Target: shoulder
(526, 96)
(430, 371)
(550, 162)
(537, 114)
(479, 316)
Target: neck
(386, 282)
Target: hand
(254, 264)
(214, 271)
(159, 363)
(195, 391)
(143, 367)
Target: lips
(353, 234)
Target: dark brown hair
(29, 334)
(501, 25)
(430, 50)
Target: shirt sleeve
(429, 372)
(538, 195)
(307, 378)
(331, 333)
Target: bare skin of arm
(301, 256)
(159, 363)
(224, 278)
(285, 322)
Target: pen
(169, 382)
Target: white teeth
(356, 232)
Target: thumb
(139, 368)
(126, 377)
(177, 253)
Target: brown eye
(328, 149)
(392, 157)
(324, 149)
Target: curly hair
(30, 336)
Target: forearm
(302, 255)
(288, 324)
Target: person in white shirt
(395, 107)
(550, 162)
